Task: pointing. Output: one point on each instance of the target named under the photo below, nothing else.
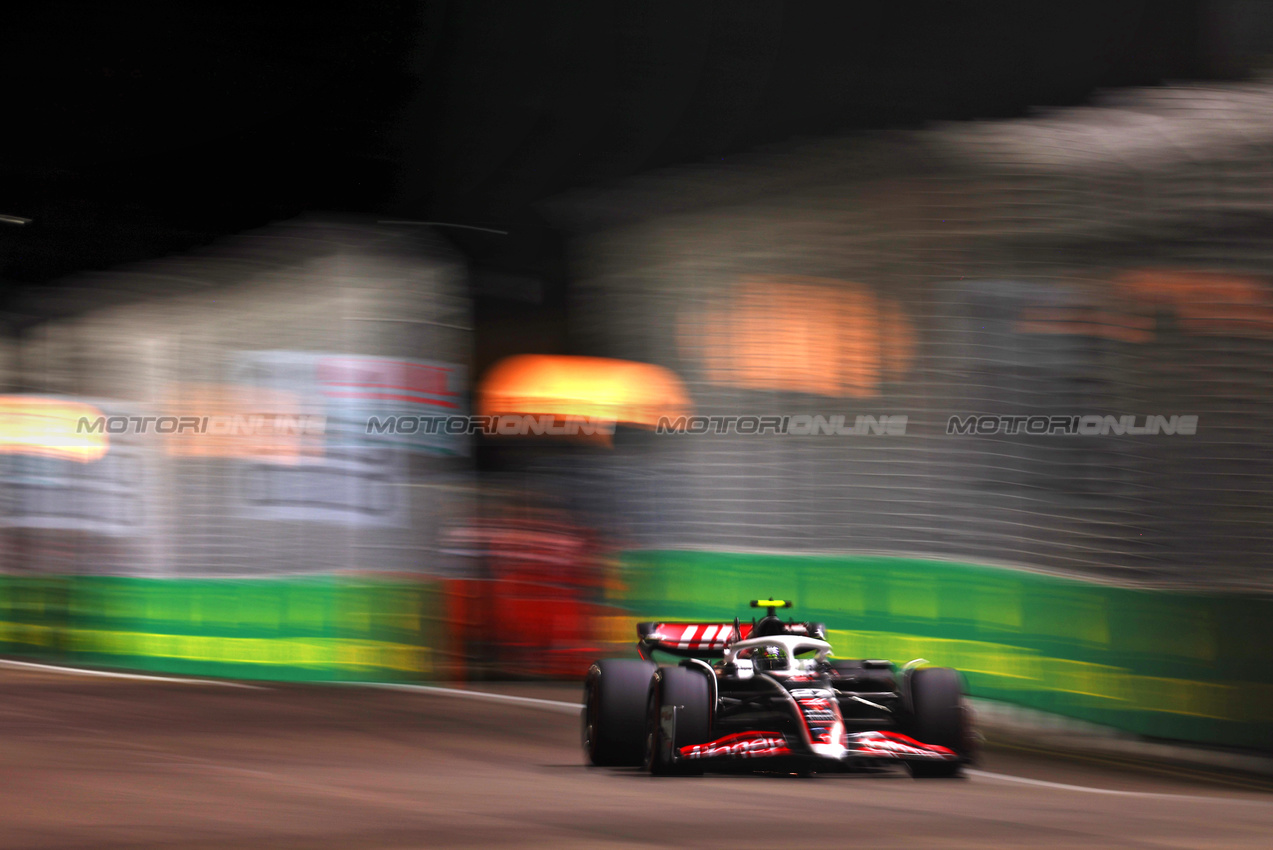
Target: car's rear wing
(702, 640)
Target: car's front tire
(690, 692)
(614, 697)
(938, 715)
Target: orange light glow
(621, 391)
(1205, 303)
(801, 334)
(49, 427)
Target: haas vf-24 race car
(768, 696)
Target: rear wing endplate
(690, 639)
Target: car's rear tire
(614, 697)
(690, 691)
(938, 715)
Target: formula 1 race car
(768, 696)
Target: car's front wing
(854, 747)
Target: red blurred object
(535, 611)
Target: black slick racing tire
(614, 697)
(690, 691)
(938, 715)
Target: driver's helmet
(769, 657)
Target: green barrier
(1190, 667)
(33, 616)
(301, 629)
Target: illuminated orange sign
(594, 387)
(800, 334)
(50, 427)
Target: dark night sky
(136, 130)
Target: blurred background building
(1109, 259)
(312, 326)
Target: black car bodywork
(768, 696)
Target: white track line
(1043, 783)
(553, 704)
(81, 671)
(573, 708)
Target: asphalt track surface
(104, 763)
